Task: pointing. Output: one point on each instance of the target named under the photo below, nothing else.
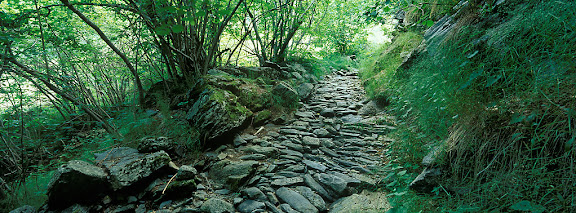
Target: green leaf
(471, 79)
(428, 23)
(162, 30)
(492, 80)
(527, 206)
(402, 173)
(386, 9)
(177, 28)
(517, 118)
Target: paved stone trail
(320, 161)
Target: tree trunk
(116, 50)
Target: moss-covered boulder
(217, 112)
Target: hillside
(485, 102)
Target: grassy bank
(496, 96)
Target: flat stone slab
(370, 202)
(296, 200)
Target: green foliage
(135, 126)
(30, 192)
(499, 100)
(416, 12)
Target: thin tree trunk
(116, 50)
(56, 90)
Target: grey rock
(371, 108)
(323, 133)
(315, 165)
(249, 206)
(237, 200)
(305, 90)
(311, 182)
(371, 202)
(217, 112)
(254, 194)
(268, 151)
(311, 141)
(186, 172)
(272, 207)
(76, 182)
(291, 152)
(239, 141)
(293, 146)
(253, 157)
(295, 200)
(328, 112)
(314, 198)
(427, 180)
(287, 208)
(296, 168)
(327, 142)
(284, 181)
(351, 119)
(291, 157)
(24, 209)
(77, 208)
(333, 182)
(215, 205)
(285, 92)
(296, 75)
(115, 153)
(222, 191)
(156, 144)
(288, 131)
(329, 152)
(272, 198)
(304, 115)
(233, 172)
(128, 170)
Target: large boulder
(233, 173)
(305, 90)
(76, 182)
(127, 166)
(251, 94)
(217, 112)
(295, 200)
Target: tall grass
(498, 98)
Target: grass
(498, 98)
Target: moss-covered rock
(217, 112)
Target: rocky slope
(323, 160)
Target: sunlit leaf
(428, 23)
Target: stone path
(320, 161)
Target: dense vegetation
(75, 73)
(494, 98)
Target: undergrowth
(498, 99)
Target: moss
(261, 117)
(234, 109)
